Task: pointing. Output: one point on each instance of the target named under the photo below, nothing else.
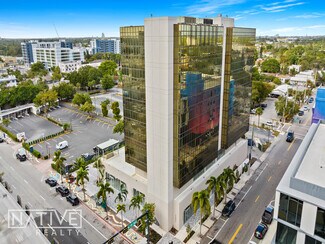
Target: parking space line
(269, 178)
(257, 198)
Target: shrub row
(36, 153)
(54, 121)
(45, 138)
(189, 236)
(9, 133)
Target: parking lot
(86, 134)
(35, 127)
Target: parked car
(1, 140)
(301, 113)
(61, 145)
(267, 216)
(311, 99)
(229, 208)
(260, 231)
(64, 191)
(263, 105)
(87, 156)
(51, 181)
(290, 136)
(306, 108)
(21, 155)
(253, 111)
(269, 123)
(73, 199)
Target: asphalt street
(29, 184)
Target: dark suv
(290, 136)
(62, 190)
(267, 216)
(51, 181)
(260, 231)
(229, 208)
(73, 199)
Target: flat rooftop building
(300, 195)
(186, 103)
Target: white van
(61, 145)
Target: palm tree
(80, 163)
(104, 189)
(121, 196)
(222, 185)
(136, 202)
(102, 174)
(121, 208)
(258, 112)
(59, 162)
(100, 167)
(82, 176)
(200, 200)
(230, 177)
(214, 187)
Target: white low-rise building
(70, 66)
(9, 80)
(300, 195)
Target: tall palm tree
(80, 163)
(59, 162)
(230, 177)
(258, 112)
(104, 190)
(100, 167)
(214, 187)
(101, 175)
(121, 208)
(136, 202)
(200, 200)
(82, 176)
(121, 196)
(222, 185)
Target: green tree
(136, 202)
(47, 99)
(214, 188)
(122, 195)
(82, 177)
(81, 98)
(146, 223)
(116, 111)
(104, 105)
(119, 127)
(121, 208)
(259, 112)
(200, 200)
(87, 107)
(271, 66)
(99, 166)
(6, 122)
(222, 185)
(65, 91)
(80, 163)
(91, 84)
(286, 109)
(59, 162)
(107, 82)
(104, 190)
(229, 177)
(37, 69)
(56, 73)
(107, 68)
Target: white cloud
(309, 16)
(210, 6)
(285, 6)
(294, 30)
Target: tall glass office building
(186, 97)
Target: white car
(305, 108)
(61, 145)
(269, 123)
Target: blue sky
(36, 19)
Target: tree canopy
(271, 66)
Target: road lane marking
(244, 196)
(257, 198)
(235, 234)
(13, 186)
(26, 181)
(261, 172)
(269, 178)
(50, 227)
(12, 168)
(29, 204)
(42, 197)
(291, 144)
(279, 162)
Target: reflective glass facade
(320, 223)
(238, 85)
(134, 104)
(285, 234)
(197, 79)
(290, 209)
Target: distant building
(9, 80)
(303, 77)
(319, 107)
(51, 53)
(300, 195)
(69, 66)
(297, 68)
(105, 45)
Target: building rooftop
(304, 177)
(312, 167)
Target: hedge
(36, 153)
(9, 133)
(54, 121)
(189, 236)
(45, 138)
